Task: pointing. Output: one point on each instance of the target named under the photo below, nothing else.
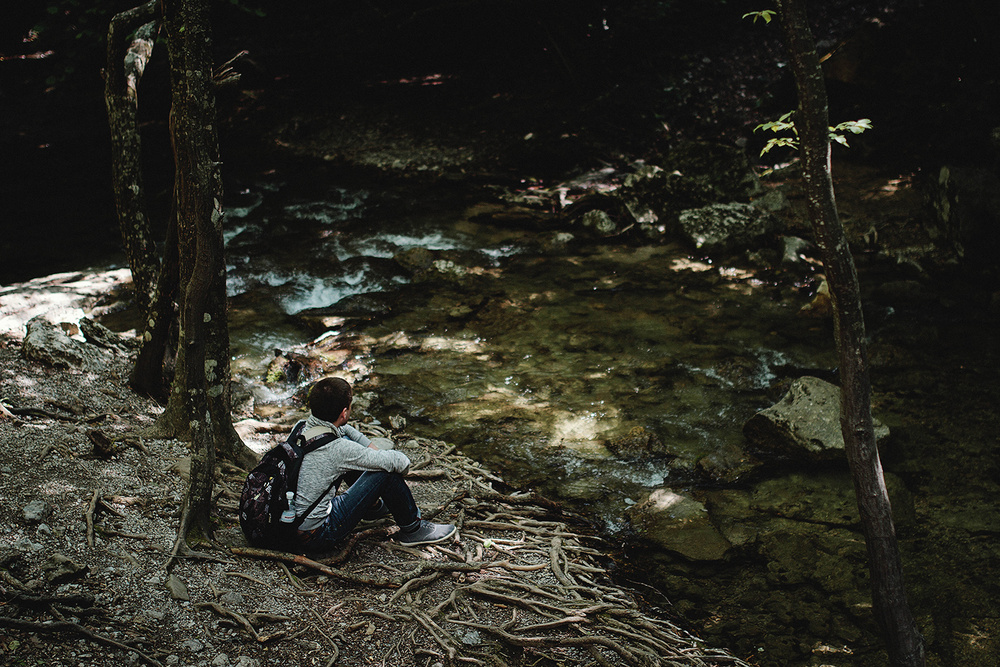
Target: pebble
(24, 544)
(36, 511)
(232, 598)
(192, 645)
(178, 589)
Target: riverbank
(88, 531)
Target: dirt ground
(84, 574)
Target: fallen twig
(90, 519)
(307, 562)
(229, 613)
(353, 539)
(558, 642)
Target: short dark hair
(328, 398)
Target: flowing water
(568, 347)
(536, 354)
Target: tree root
(313, 565)
(78, 605)
(530, 584)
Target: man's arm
(366, 458)
(354, 434)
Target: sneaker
(426, 533)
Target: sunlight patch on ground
(20, 381)
(688, 264)
(62, 297)
(56, 488)
(890, 188)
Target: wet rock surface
(804, 425)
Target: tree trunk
(126, 63)
(201, 383)
(904, 643)
(149, 375)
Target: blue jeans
(350, 507)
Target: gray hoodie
(350, 451)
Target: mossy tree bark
(892, 611)
(149, 375)
(127, 60)
(199, 408)
(184, 358)
(131, 37)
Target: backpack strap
(316, 431)
(296, 432)
(312, 445)
(299, 519)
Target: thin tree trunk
(892, 612)
(149, 375)
(126, 63)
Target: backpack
(264, 498)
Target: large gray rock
(678, 524)
(804, 424)
(46, 342)
(725, 227)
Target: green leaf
(766, 14)
(786, 124)
(780, 142)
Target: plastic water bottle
(288, 515)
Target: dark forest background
(625, 80)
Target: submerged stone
(637, 443)
(804, 424)
(678, 524)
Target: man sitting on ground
(377, 488)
